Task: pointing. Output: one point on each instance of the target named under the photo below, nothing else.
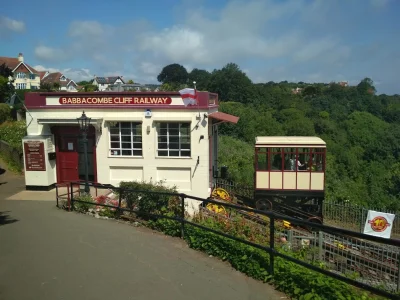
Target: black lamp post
(84, 123)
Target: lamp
(84, 123)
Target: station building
(133, 136)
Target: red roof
(12, 63)
(224, 117)
(56, 77)
(42, 73)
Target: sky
(270, 40)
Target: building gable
(22, 68)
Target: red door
(67, 159)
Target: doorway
(70, 156)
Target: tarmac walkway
(47, 253)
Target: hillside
(362, 129)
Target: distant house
(103, 83)
(133, 87)
(297, 90)
(25, 77)
(64, 83)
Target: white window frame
(118, 138)
(21, 86)
(181, 151)
(21, 75)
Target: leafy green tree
(173, 73)
(91, 88)
(202, 78)
(238, 156)
(366, 86)
(6, 87)
(231, 84)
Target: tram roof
(289, 140)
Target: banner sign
(379, 224)
(115, 100)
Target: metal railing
(336, 214)
(351, 216)
(332, 241)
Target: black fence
(124, 202)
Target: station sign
(115, 100)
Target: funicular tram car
(290, 176)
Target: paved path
(49, 254)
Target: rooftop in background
(289, 140)
(108, 80)
(14, 62)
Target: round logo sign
(379, 224)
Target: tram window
(289, 159)
(318, 160)
(305, 159)
(276, 159)
(262, 159)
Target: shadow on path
(5, 218)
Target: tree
(173, 73)
(5, 71)
(366, 86)
(202, 78)
(130, 81)
(232, 84)
(46, 87)
(5, 112)
(6, 87)
(91, 88)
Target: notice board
(34, 156)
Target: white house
(103, 82)
(148, 136)
(25, 77)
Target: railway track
(342, 253)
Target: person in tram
(293, 162)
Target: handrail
(271, 215)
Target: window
(304, 159)
(276, 159)
(317, 160)
(290, 159)
(126, 139)
(262, 159)
(32, 76)
(21, 86)
(173, 139)
(62, 78)
(21, 75)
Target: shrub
(84, 207)
(148, 198)
(12, 133)
(5, 112)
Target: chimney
(20, 57)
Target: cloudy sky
(294, 40)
